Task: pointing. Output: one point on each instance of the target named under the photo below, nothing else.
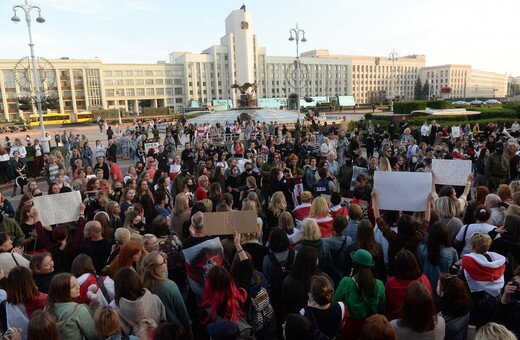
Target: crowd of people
(325, 261)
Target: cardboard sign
(357, 170)
(404, 191)
(148, 146)
(58, 208)
(455, 131)
(451, 171)
(227, 222)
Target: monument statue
(247, 99)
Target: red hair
(125, 257)
(220, 289)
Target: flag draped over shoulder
(482, 274)
(200, 259)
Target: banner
(357, 170)
(58, 208)
(455, 131)
(227, 222)
(148, 146)
(451, 171)
(405, 191)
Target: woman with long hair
(85, 273)
(286, 222)
(103, 218)
(181, 214)
(129, 256)
(218, 177)
(28, 225)
(154, 268)
(448, 214)
(42, 268)
(407, 235)
(277, 205)
(437, 256)
(74, 320)
(133, 302)
(311, 236)
(23, 298)
(417, 319)
(222, 297)
(113, 210)
(362, 294)
(296, 285)
(62, 248)
(455, 305)
(145, 198)
(320, 213)
(406, 270)
(365, 240)
(127, 199)
(25, 200)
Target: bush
(439, 104)
(497, 112)
(407, 107)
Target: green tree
(425, 90)
(417, 94)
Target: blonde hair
(480, 242)
(306, 197)
(446, 207)
(319, 207)
(515, 186)
(310, 230)
(248, 204)
(513, 210)
(277, 204)
(107, 322)
(145, 240)
(493, 330)
(286, 221)
(384, 164)
(181, 204)
(251, 182)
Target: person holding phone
(510, 302)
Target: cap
(362, 257)
(184, 167)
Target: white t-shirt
(472, 228)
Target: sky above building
(480, 33)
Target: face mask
(138, 225)
(191, 187)
(153, 248)
(235, 172)
(349, 162)
(249, 170)
(118, 189)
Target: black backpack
(176, 261)
(282, 269)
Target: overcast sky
(481, 33)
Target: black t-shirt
(34, 245)
(99, 252)
(191, 241)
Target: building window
(109, 82)
(140, 92)
(169, 91)
(158, 81)
(118, 73)
(120, 82)
(130, 92)
(109, 93)
(149, 81)
(159, 92)
(106, 73)
(129, 82)
(178, 90)
(139, 73)
(178, 100)
(148, 73)
(139, 82)
(158, 73)
(129, 73)
(150, 92)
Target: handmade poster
(405, 191)
(455, 131)
(148, 146)
(58, 208)
(355, 172)
(226, 223)
(451, 171)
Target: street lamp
(26, 8)
(297, 31)
(393, 58)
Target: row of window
(170, 91)
(132, 73)
(169, 81)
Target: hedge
(407, 107)
(495, 112)
(439, 104)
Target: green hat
(362, 257)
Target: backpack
(260, 311)
(282, 269)
(176, 261)
(143, 329)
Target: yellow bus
(55, 118)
